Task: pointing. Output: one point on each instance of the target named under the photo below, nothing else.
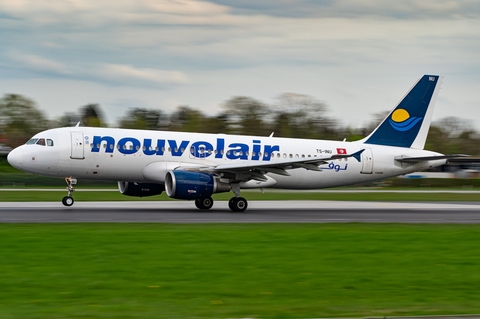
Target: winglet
(357, 155)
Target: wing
(256, 171)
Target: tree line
(292, 115)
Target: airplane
(193, 166)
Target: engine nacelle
(140, 189)
(192, 185)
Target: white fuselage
(146, 156)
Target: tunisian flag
(341, 151)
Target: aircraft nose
(15, 157)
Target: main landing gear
(68, 200)
(236, 204)
(204, 203)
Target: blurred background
(303, 69)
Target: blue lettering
(177, 150)
(267, 152)
(149, 150)
(256, 150)
(133, 148)
(220, 147)
(198, 149)
(201, 149)
(238, 151)
(97, 141)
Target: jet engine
(188, 185)
(140, 189)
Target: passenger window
(49, 142)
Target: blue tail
(408, 123)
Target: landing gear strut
(204, 203)
(68, 200)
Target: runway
(258, 212)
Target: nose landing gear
(68, 200)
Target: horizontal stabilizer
(428, 158)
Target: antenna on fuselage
(78, 124)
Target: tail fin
(408, 123)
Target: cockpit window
(32, 141)
(40, 141)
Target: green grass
(233, 271)
(48, 196)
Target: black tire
(68, 201)
(204, 203)
(238, 204)
(230, 203)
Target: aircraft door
(367, 161)
(77, 146)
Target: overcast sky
(359, 57)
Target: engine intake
(193, 185)
(140, 189)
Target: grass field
(233, 271)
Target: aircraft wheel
(238, 204)
(204, 203)
(230, 203)
(68, 201)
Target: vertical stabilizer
(408, 123)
